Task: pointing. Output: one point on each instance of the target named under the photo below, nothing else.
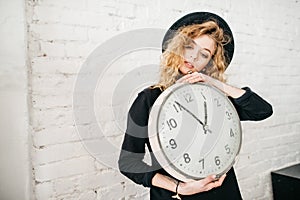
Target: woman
(197, 48)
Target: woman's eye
(188, 47)
(204, 55)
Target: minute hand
(190, 113)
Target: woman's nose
(193, 55)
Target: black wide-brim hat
(199, 18)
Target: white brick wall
(61, 36)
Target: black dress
(249, 106)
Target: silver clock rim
(154, 136)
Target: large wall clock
(194, 131)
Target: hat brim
(199, 18)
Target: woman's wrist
(165, 182)
(176, 196)
(229, 90)
(186, 188)
(180, 188)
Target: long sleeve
(135, 141)
(251, 106)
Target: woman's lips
(189, 65)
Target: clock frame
(194, 131)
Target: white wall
(15, 170)
(61, 36)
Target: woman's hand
(202, 185)
(188, 188)
(195, 77)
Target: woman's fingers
(208, 179)
(215, 183)
(202, 185)
(220, 181)
(191, 78)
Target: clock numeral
(217, 160)
(172, 123)
(217, 102)
(202, 162)
(187, 158)
(231, 133)
(229, 115)
(188, 97)
(173, 144)
(227, 149)
(177, 107)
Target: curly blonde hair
(172, 58)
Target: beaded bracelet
(176, 196)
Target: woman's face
(197, 54)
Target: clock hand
(205, 119)
(190, 113)
(205, 113)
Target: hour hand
(205, 127)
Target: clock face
(194, 131)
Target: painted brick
(64, 186)
(52, 49)
(100, 180)
(78, 50)
(46, 65)
(55, 135)
(54, 117)
(134, 191)
(52, 153)
(59, 32)
(64, 168)
(107, 194)
(51, 101)
(45, 82)
(44, 190)
(88, 195)
(78, 5)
